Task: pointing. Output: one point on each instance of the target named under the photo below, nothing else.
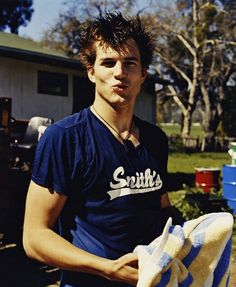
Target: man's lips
(119, 87)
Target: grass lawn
(175, 129)
(187, 162)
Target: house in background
(44, 82)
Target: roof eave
(41, 58)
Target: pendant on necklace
(128, 145)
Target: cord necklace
(119, 135)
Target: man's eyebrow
(131, 58)
(126, 59)
(106, 59)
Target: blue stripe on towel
(164, 260)
(165, 278)
(223, 264)
(197, 245)
(187, 282)
(227, 282)
(177, 231)
(149, 249)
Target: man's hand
(125, 269)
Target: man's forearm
(48, 247)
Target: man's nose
(119, 70)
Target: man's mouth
(120, 88)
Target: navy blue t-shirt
(113, 195)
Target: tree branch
(186, 44)
(216, 42)
(177, 69)
(173, 93)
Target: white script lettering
(141, 182)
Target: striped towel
(196, 254)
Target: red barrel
(207, 178)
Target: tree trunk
(208, 143)
(186, 124)
(187, 114)
(210, 119)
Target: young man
(101, 172)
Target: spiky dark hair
(114, 30)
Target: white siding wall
(18, 80)
(145, 107)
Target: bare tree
(177, 60)
(218, 53)
(196, 52)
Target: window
(52, 83)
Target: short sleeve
(157, 143)
(52, 163)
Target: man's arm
(169, 210)
(43, 244)
(165, 201)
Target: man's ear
(144, 74)
(90, 73)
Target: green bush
(193, 202)
(180, 201)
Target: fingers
(130, 259)
(125, 269)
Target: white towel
(196, 254)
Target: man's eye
(130, 63)
(108, 64)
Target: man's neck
(119, 117)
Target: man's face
(117, 75)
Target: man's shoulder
(150, 129)
(68, 127)
(73, 120)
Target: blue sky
(45, 14)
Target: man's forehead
(128, 49)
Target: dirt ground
(16, 269)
